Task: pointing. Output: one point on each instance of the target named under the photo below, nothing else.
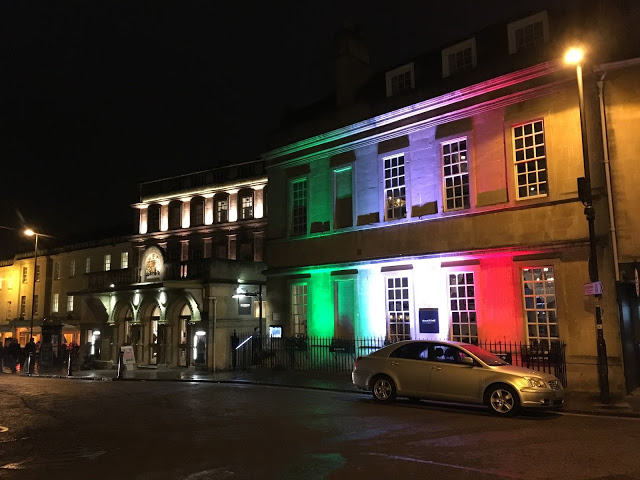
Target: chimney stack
(352, 65)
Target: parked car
(454, 372)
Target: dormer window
(400, 80)
(528, 32)
(459, 58)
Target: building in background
(166, 291)
(439, 199)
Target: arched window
(175, 215)
(197, 211)
(221, 205)
(153, 220)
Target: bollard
(70, 366)
(120, 365)
(30, 364)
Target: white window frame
(396, 72)
(23, 305)
(527, 162)
(87, 265)
(247, 202)
(449, 174)
(56, 270)
(533, 313)
(107, 262)
(401, 175)
(222, 205)
(299, 319)
(124, 260)
(70, 303)
(525, 22)
(55, 303)
(463, 305)
(36, 305)
(397, 278)
(454, 49)
(292, 206)
(72, 268)
(25, 274)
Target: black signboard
(429, 320)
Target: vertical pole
(33, 291)
(589, 211)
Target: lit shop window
(462, 301)
(398, 309)
(539, 294)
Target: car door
(450, 378)
(409, 367)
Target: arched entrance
(155, 338)
(183, 337)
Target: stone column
(144, 215)
(208, 208)
(164, 216)
(258, 201)
(233, 205)
(186, 212)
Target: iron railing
(331, 354)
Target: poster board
(128, 357)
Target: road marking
(611, 416)
(3, 429)
(13, 466)
(430, 462)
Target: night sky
(100, 96)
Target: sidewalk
(575, 402)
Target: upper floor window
(55, 303)
(56, 271)
(197, 212)
(175, 215)
(35, 305)
(455, 175)
(124, 260)
(87, 265)
(343, 198)
(207, 247)
(459, 58)
(23, 305)
(528, 32)
(70, 303)
(107, 262)
(25, 272)
(37, 273)
(153, 221)
(394, 187)
(530, 160)
(400, 79)
(72, 268)
(539, 295)
(247, 207)
(298, 212)
(184, 250)
(222, 211)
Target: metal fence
(331, 354)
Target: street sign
(593, 288)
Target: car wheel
(503, 401)
(384, 390)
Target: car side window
(445, 354)
(411, 351)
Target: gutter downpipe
(607, 171)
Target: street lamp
(574, 56)
(241, 293)
(31, 233)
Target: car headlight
(536, 382)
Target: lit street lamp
(574, 56)
(241, 293)
(31, 233)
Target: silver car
(454, 372)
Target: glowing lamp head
(29, 233)
(574, 56)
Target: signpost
(593, 288)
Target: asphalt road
(58, 428)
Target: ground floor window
(398, 309)
(299, 308)
(462, 301)
(539, 295)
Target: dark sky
(98, 96)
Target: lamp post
(574, 56)
(31, 233)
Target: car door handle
(394, 363)
(436, 368)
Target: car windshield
(487, 357)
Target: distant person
(1, 357)
(14, 355)
(30, 349)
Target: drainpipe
(607, 171)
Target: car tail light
(356, 363)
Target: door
(344, 307)
(629, 305)
(450, 378)
(410, 367)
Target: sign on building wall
(428, 319)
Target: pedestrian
(1, 357)
(30, 349)
(14, 354)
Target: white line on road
(430, 462)
(3, 429)
(610, 417)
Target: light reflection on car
(454, 372)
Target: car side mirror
(467, 361)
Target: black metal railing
(333, 354)
(124, 276)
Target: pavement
(575, 402)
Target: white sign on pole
(593, 288)
(128, 356)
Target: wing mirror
(467, 361)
